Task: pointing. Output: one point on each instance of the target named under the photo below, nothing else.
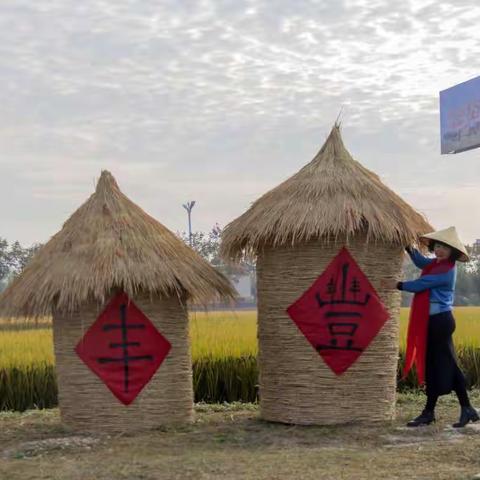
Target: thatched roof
(108, 243)
(331, 197)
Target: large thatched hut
(116, 282)
(296, 231)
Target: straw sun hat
(448, 236)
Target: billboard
(460, 117)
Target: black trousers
(442, 373)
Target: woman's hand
(388, 283)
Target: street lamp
(188, 207)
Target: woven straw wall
(296, 386)
(86, 404)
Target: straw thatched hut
(111, 249)
(294, 231)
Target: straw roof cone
(333, 196)
(108, 243)
(450, 237)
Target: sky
(220, 101)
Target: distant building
(245, 286)
(476, 247)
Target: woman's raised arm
(418, 259)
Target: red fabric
(340, 314)
(418, 323)
(123, 348)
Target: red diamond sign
(123, 348)
(340, 314)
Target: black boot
(425, 418)
(468, 414)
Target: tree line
(14, 257)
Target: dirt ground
(231, 442)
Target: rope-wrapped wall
(296, 386)
(86, 404)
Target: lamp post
(188, 207)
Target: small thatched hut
(109, 267)
(294, 231)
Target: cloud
(222, 100)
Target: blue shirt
(441, 286)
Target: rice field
(25, 347)
(224, 350)
(467, 332)
(223, 334)
(213, 334)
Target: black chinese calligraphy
(126, 358)
(347, 296)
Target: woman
(431, 325)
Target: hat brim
(463, 256)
